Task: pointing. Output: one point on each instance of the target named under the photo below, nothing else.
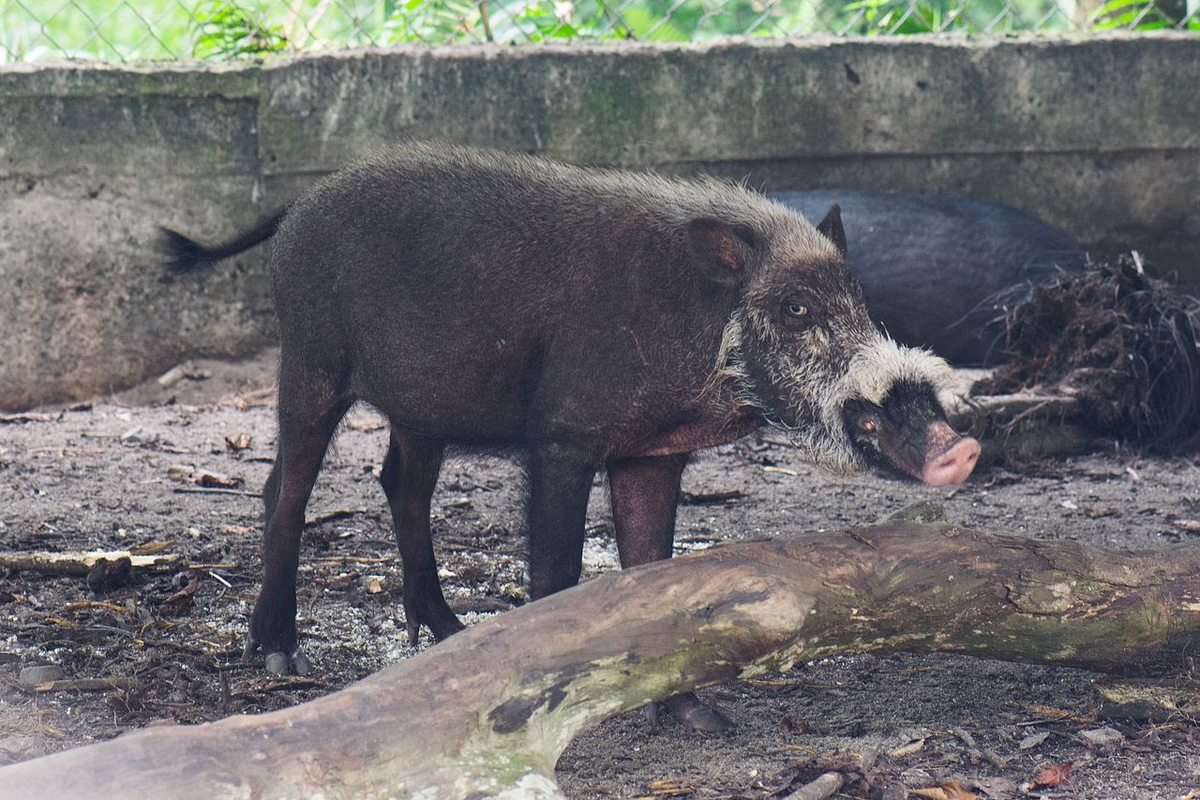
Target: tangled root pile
(1122, 343)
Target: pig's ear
(722, 251)
(831, 228)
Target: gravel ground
(108, 475)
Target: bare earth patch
(129, 471)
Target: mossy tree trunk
(487, 713)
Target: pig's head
(802, 351)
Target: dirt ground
(111, 475)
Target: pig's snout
(930, 451)
(955, 462)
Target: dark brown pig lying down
(939, 271)
(580, 319)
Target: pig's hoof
(300, 663)
(279, 663)
(441, 621)
(691, 711)
(447, 627)
(250, 649)
(413, 628)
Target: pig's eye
(795, 313)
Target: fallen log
(487, 713)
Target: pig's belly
(691, 437)
(463, 396)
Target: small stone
(996, 787)
(171, 377)
(194, 373)
(915, 776)
(139, 435)
(1033, 740)
(925, 512)
(181, 472)
(1102, 736)
(32, 677)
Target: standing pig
(581, 318)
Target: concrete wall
(1100, 136)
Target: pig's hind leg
(309, 412)
(644, 493)
(560, 480)
(410, 472)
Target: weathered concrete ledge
(1100, 135)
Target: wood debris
(950, 790)
(78, 563)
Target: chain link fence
(123, 30)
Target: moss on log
(487, 713)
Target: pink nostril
(954, 465)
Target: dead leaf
(185, 597)
(149, 548)
(29, 416)
(671, 787)
(950, 790)
(789, 725)
(215, 480)
(711, 498)
(88, 685)
(237, 442)
(1057, 714)
(186, 473)
(257, 397)
(80, 604)
(237, 530)
(907, 750)
(1187, 524)
(1055, 775)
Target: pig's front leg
(644, 494)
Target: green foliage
(132, 29)
(430, 21)
(226, 30)
(1140, 15)
(891, 17)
